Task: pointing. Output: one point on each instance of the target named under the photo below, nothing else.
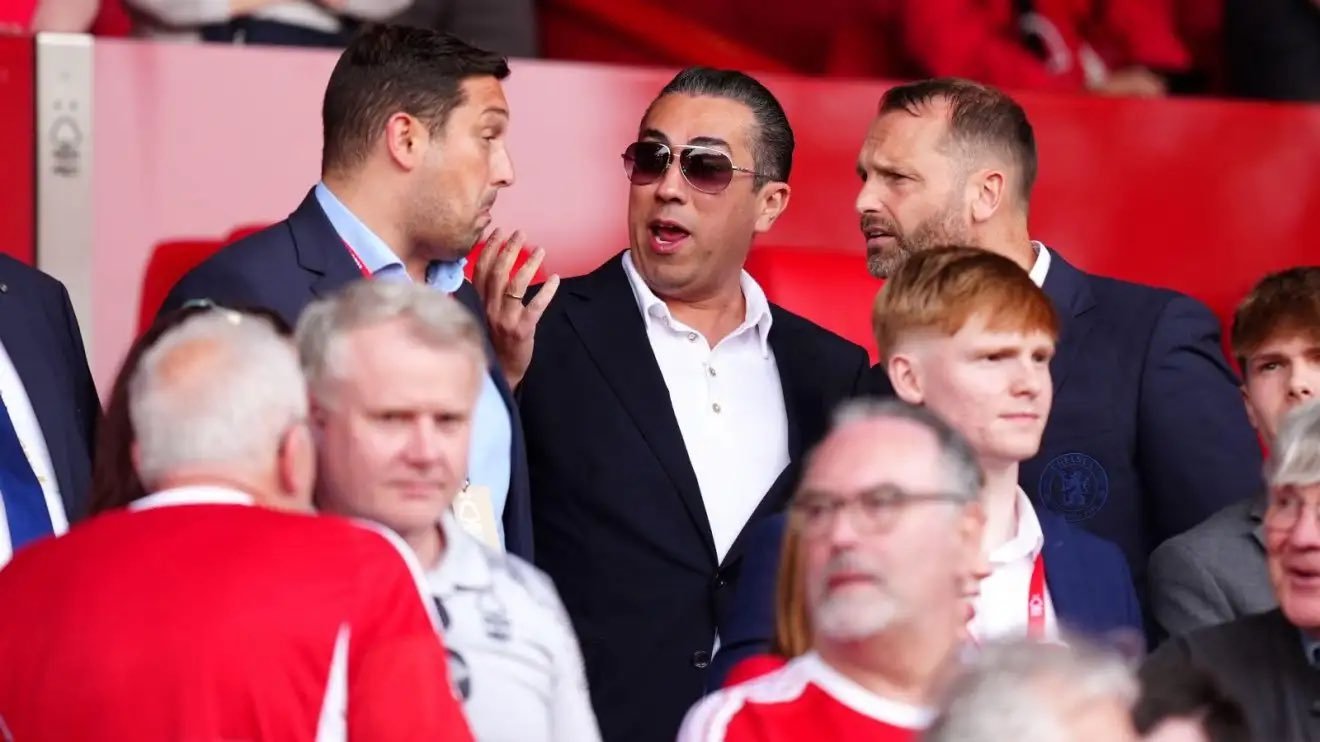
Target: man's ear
(296, 467)
(406, 139)
(986, 192)
(905, 375)
(773, 200)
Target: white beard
(856, 614)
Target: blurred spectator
(1029, 692)
(890, 523)
(1185, 704)
(218, 596)
(1272, 49)
(321, 23)
(394, 371)
(115, 481)
(506, 27)
(1268, 661)
(1216, 571)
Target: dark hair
(115, 481)
(388, 69)
(772, 140)
(1287, 301)
(1185, 691)
(980, 117)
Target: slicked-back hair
(981, 118)
(391, 69)
(772, 140)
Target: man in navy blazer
(1147, 436)
(414, 156)
(969, 336)
(48, 409)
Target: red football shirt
(805, 699)
(202, 617)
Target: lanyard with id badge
(475, 512)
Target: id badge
(475, 512)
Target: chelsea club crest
(1075, 486)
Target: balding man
(219, 607)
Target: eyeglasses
(1286, 508)
(706, 169)
(877, 509)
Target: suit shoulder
(1141, 300)
(14, 271)
(1242, 637)
(253, 251)
(1210, 533)
(807, 331)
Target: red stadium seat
(169, 262)
(831, 289)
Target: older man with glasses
(1268, 661)
(667, 400)
(890, 527)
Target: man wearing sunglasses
(667, 400)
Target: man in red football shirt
(890, 527)
(219, 606)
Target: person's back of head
(967, 333)
(1184, 703)
(1037, 692)
(220, 400)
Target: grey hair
(957, 458)
(1295, 458)
(434, 319)
(220, 388)
(1023, 691)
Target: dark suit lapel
(41, 381)
(605, 316)
(1069, 596)
(320, 249)
(1070, 292)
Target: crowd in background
(340, 490)
(1268, 49)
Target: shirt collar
(1041, 267)
(653, 308)
(1027, 541)
(377, 256)
(194, 495)
(463, 565)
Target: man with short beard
(1147, 437)
(890, 529)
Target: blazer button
(700, 659)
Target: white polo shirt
(513, 654)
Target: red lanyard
(1036, 601)
(357, 260)
(1035, 604)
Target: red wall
(17, 153)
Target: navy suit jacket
(285, 266)
(1087, 578)
(40, 334)
(620, 521)
(1148, 435)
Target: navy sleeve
(749, 625)
(1197, 452)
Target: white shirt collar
(848, 692)
(1028, 539)
(194, 495)
(463, 566)
(1041, 267)
(653, 308)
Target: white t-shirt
(513, 655)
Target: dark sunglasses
(705, 169)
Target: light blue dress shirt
(492, 431)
